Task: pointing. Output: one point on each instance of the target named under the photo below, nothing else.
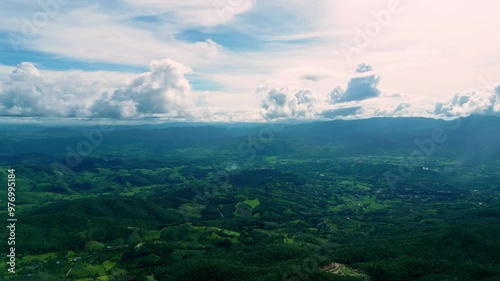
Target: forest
(381, 199)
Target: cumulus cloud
(26, 92)
(283, 103)
(477, 102)
(163, 92)
(362, 86)
(402, 109)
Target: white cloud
(477, 102)
(423, 53)
(163, 91)
(29, 93)
(286, 103)
(196, 13)
(402, 109)
(90, 33)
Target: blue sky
(248, 60)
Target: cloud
(362, 68)
(283, 103)
(90, 33)
(476, 102)
(342, 112)
(313, 77)
(24, 70)
(408, 53)
(205, 13)
(402, 109)
(162, 91)
(29, 93)
(361, 87)
(336, 94)
(103, 35)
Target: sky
(248, 60)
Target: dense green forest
(383, 199)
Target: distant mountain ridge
(473, 135)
